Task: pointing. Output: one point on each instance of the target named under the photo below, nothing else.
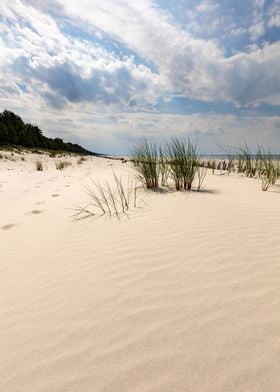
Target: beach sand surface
(182, 296)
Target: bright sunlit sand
(181, 295)
(139, 196)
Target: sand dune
(183, 296)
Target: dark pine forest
(15, 132)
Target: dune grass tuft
(62, 165)
(269, 169)
(183, 161)
(106, 199)
(263, 165)
(146, 161)
(39, 165)
(201, 174)
(81, 160)
(174, 165)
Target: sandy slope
(184, 296)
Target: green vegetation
(62, 165)
(268, 170)
(113, 200)
(260, 165)
(149, 163)
(178, 161)
(14, 132)
(183, 160)
(263, 165)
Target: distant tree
(13, 131)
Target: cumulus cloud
(53, 55)
(79, 70)
(34, 49)
(187, 66)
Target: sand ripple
(183, 297)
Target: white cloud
(257, 29)
(187, 66)
(80, 77)
(34, 49)
(274, 14)
(238, 31)
(207, 6)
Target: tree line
(14, 132)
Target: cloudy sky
(104, 73)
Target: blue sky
(106, 73)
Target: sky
(106, 73)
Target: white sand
(183, 297)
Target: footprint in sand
(39, 203)
(35, 212)
(55, 195)
(8, 226)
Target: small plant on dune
(249, 163)
(178, 163)
(240, 163)
(164, 167)
(269, 172)
(201, 174)
(231, 163)
(113, 200)
(277, 166)
(39, 166)
(176, 156)
(261, 165)
(81, 160)
(146, 161)
(183, 161)
(62, 165)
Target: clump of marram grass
(175, 165)
(112, 200)
(269, 169)
(146, 161)
(262, 165)
(164, 167)
(81, 160)
(183, 161)
(62, 165)
(249, 163)
(39, 165)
